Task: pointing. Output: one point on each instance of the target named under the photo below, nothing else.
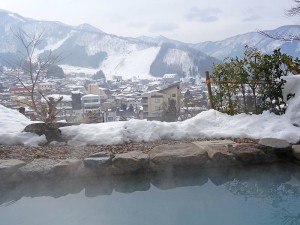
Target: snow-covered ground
(76, 69)
(11, 125)
(208, 124)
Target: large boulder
(130, 162)
(38, 168)
(275, 146)
(184, 155)
(10, 166)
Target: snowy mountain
(234, 46)
(88, 47)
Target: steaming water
(250, 196)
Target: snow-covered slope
(135, 63)
(234, 46)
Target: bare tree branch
(34, 67)
(280, 36)
(294, 11)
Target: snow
(53, 44)
(179, 57)
(135, 63)
(66, 98)
(208, 124)
(16, 17)
(76, 69)
(12, 124)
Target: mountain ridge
(90, 47)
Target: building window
(173, 95)
(157, 100)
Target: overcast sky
(185, 20)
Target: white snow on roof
(66, 98)
(170, 75)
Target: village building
(155, 102)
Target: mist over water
(237, 196)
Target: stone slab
(10, 166)
(130, 162)
(178, 155)
(214, 143)
(98, 160)
(275, 146)
(38, 168)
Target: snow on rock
(12, 124)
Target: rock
(215, 143)
(275, 146)
(130, 162)
(249, 154)
(51, 130)
(179, 155)
(67, 167)
(41, 168)
(100, 160)
(220, 157)
(10, 166)
(296, 151)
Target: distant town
(88, 98)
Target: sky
(190, 21)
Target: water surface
(251, 196)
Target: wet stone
(179, 155)
(275, 146)
(130, 162)
(10, 166)
(98, 160)
(38, 168)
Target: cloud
(161, 27)
(251, 18)
(203, 15)
(253, 13)
(136, 24)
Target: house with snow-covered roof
(154, 102)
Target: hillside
(88, 47)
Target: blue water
(251, 196)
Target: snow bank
(292, 86)
(208, 124)
(12, 124)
